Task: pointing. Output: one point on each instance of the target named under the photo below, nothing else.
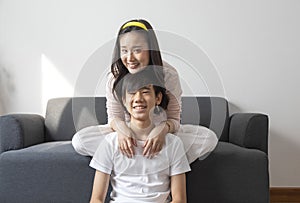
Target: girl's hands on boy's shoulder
(126, 144)
(126, 141)
(156, 140)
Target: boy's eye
(130, 93)
(146, 92)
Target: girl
(137, 47)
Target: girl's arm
(178, 188)
(100, 186)
(156, 138)
(174, 92)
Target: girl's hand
(126, 144)
(125, 137)
(155, 140)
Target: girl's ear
(158, 98)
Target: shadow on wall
(284, 160)
(6, 89)
(233, 108)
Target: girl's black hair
(118, 69)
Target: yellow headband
(137, 24)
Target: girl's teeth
(132, 65)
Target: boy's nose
(138, 96)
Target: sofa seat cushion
(229, 171)
(42, 169)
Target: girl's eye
(136, 51)
(146, 92)
(123, 51)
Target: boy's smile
(140, 105)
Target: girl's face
(140, 104)
(134, 51)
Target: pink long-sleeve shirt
(174, 91)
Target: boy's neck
(141, 129)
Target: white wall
(254, 45)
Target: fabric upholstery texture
(21, 130)
(245, 130)
(48, 172)
(64, 116)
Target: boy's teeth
(139, 107)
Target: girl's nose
(130, 56)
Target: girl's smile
(134, 51)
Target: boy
(140, 179)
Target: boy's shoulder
(172, 139)
(112, 138)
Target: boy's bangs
(149, 76)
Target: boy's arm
(101, 181)
(178, 188)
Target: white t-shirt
(140, 179)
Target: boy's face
(140, 104)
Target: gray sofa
(39, 164)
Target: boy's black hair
(151, 75)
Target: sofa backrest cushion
(211, 112)
(65, 116)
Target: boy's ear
(124, 101)
(158, 98)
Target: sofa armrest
(249, 130)
(20, 130)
